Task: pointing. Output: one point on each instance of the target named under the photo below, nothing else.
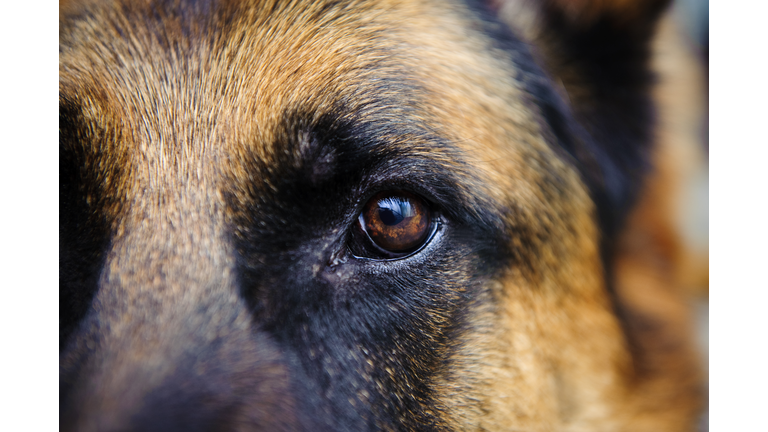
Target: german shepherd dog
(364, 215)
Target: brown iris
(396, 221)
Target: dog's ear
(635, 108)
(635, 104)
(597, 53)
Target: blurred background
(692, 18)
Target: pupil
(390, 217)
(392, 211)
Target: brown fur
(177, 165)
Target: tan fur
(546, 350)
(507, 381)
(657, 267)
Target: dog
(346, 215)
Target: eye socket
(396, 222)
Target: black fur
(325, 315)
(312, 296)
(83, 231)
(608, 136)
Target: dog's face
(341, 216)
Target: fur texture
(215, 156)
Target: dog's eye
(396, 222)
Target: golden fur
(172, 173)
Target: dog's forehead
(201, 88)
(201, 70)
(198, 69)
